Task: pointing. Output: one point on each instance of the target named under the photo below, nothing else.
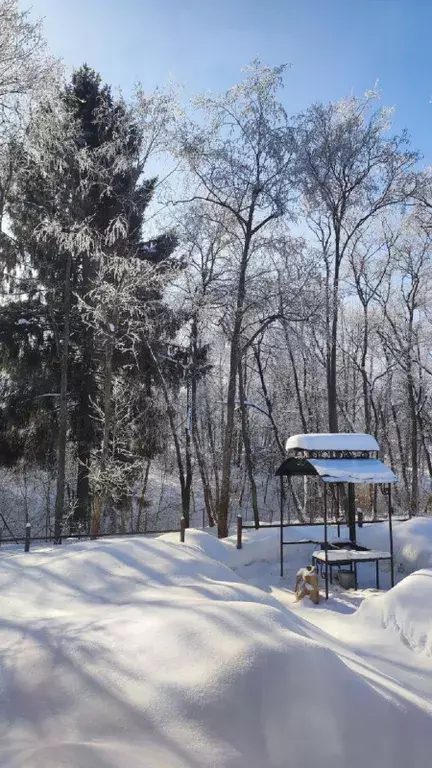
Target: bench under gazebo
(343, 459)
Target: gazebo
(346, 459)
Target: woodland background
(184, 286)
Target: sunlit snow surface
(145, 652)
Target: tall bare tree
(349, 171)
(240, 157)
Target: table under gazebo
(343, 459)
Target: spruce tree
(107, 133)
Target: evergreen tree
(95, 201)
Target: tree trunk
(351, 513)
(184, 489)
(364, 374)
(424, 444)
(402, 457)
(412, 403)
(247, 447)
(269, 404)
(63, 415)
(142, 496)
(332, 364)
(367, 398)
(211, 440)
(85, 442)
(296, 381)
(81, 514)
(276, 434)
(223, 513)
(414, 495)
(100, 495)
(207, 491)
(85, 424)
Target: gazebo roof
(360, 470)
(340, 441)
(336, 458)
(352, 471)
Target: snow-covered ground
(146, 652)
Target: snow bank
(205, 542)
(405, 609)
(412, 543)
(259, 546)
(150, 653)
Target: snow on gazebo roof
(344, 468)
(360, 470)
(370, 471)
(332, 441)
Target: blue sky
(335, 47)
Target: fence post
(337, 518)
(360, 519)
(1, 536)
(182, 529)
(239, 531)
(27, 538)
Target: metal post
(1, 535)
(390, 514)
(27, 538)
(360, 519)
(281, 525)
(377, 574)
(325, 541)
(182, 529)
(239, 531)
(351, 513)
(338, 509)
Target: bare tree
(27, 71)
(241, 160)
(405, 335)
(122, 323)
(348, 171)
(25, 64)
(204, 236)
(370, 261)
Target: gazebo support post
(281, 524)
(326, 540)
(338, 509)
(390, 514)
(351, 513)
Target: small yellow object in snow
(307, 584)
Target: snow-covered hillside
(149, 653)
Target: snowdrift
(146, 653)
(412, 543)
(405, 609)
